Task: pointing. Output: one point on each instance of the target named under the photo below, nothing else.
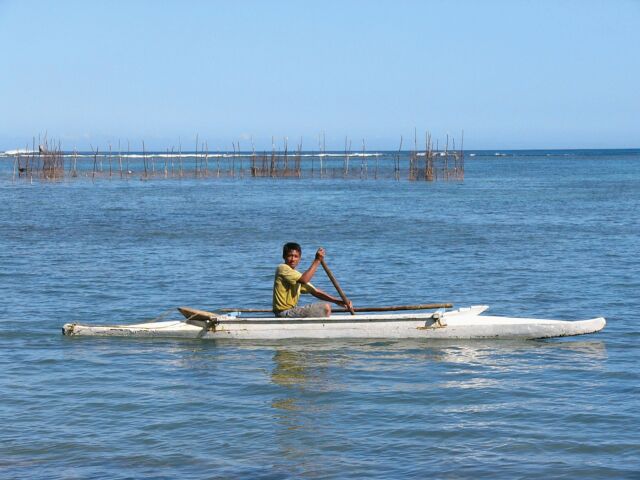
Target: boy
(289, 284)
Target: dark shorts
(312, 310)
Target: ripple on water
(521, 235)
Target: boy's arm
(310, 272)
(329, 298)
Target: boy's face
(292, 258)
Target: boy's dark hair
(291, 246)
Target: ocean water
(552, 234)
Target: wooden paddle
(337, 285)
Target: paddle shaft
(336, 284)
(388, 308)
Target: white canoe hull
(464, 323)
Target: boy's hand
(320, 254)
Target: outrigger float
(463, 323)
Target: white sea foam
(438, 154)
(203, 155)
(19, 151)
(212, 155)
(354, 154)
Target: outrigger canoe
(463, 323)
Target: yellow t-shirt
(287, 289)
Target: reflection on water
(309, 368)
(435, 389)
(290, 368)
(304, 399)
(285, 404)
(592, 349)
(291, 372)
(299, 372)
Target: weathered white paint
(464, 323)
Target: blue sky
(511, 74)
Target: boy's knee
(327, 310)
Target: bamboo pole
(272, 173)
(206, 159)
(345, 163)
(110, 168)
(166, 165)
(172, 162)
(95, 159)
(324, 146)
(253, 157)
(218, 163)
(364, 167)
(446, 160)
(144, 159)
(397, 163)
(286, 157)
(462, 157)
(387, 308)
(233, 160)
(180, 155)
(196, 155)
(299, 160)
(120, 158)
